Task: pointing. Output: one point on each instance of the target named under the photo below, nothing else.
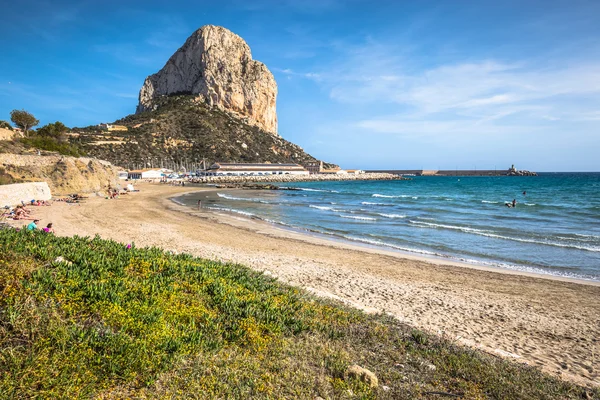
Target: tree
(56, 130)
(23, 120)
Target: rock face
(11, 195)
(216, 65)
(62, 174)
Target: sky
(379, 84)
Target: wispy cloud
(488, 95)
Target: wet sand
(549, 322)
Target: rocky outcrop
(63, 174)
(14, 194)
(6, 134)
(216, 65)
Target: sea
(554, 228)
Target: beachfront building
(247, 169)
(148, 173)
(313, 167)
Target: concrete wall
(11, 195)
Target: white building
(149, 173)
(243, 169)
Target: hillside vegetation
(83, 318)
(182, 130)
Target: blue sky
(365, 84)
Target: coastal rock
(358, 372)
(63, 174)
(216, 65)
(6, 134)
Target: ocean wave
(529, 204)
(594, 249)
(232, 210)
(490, 202)
(454, 227)
(309, 189)
(491, 234)
(228, 197)
(393, 215)
(513, 267)
(368, 203)
(586, 236)
(321, 207)
(358, 217)
(387, 196)
(393, 246)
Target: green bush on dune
(83, 317)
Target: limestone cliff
(216, 65)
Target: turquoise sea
(554, 228)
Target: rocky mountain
(183, 131)
(210, 102)
(216, 65)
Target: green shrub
(53, 144)
(5, 125)
(89, 318)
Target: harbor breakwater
(297, 178)
(457, 172)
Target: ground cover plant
(91, 318)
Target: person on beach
(33, 225)
(514, 203)
(48, 228)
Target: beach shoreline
(548, 321)
(309, 236)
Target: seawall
(297, 178)
(455, 172)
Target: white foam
(529, 204)
(321, 207)
(493, 235)
(379, 243)
(231, 210)
(228, 197)
(455, 227)
(490, 202)
(358, 217)
(393, 215)
(368, 203)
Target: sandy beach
(548, 322)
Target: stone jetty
(297, 178)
